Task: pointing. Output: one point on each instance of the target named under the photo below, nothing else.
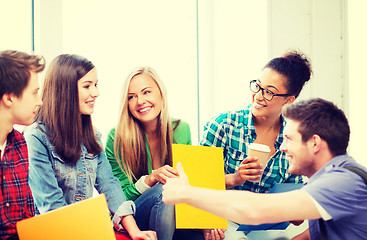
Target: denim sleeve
(46, 192)
(108, 184)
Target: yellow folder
(85, 220)
(204, 167)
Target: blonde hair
(130, 135)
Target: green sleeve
(131, 193)
(182, 134)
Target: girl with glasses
(280, 82)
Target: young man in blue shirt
(316, 140)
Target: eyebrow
(142, 90)
(269, 86)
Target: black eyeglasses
(267, 94)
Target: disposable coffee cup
(260, 151)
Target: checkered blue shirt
(234, 131)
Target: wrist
(150, 180)
(232, 180)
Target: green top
(181, 135)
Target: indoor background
(206, 51)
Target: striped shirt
(16, 200)
(234, 131)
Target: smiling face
(145, 99)
(275, 82)
(299, 153)
(88, 92)
(25, 106)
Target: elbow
(252, 215)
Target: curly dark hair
(296, 67)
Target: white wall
(357, 77)
(120, 35)
(232, 51)
(16, 25)
(206, 51)
(316, 28)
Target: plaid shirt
(234, 131)
(16, 200)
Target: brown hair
(323, 118)
(15, 68)
(66, 128)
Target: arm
(123, 210)
(130, 225)
(244, 207)
(129, 189)
(45, 189)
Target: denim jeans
(152, 214)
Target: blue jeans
(153, 214)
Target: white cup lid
(259, 147)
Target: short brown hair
(323, 118)
(15, 68)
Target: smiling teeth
(144, 109)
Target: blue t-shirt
(343, 194)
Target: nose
(259, 95)
(283, 147)
(140, 99)
(95, 92)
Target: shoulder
(16, 138)
(36, 129)
(179, 124)
(110, 138)
(97, 133)
(111, 134)
(334, 177)
(236, 118)
(181, 132)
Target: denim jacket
(56, 183)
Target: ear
(289, 100)
(7, 99)
(315, 143)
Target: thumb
(180, 170)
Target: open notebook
(87, 219)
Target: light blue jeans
(153, 214)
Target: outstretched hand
(173, 190)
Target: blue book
(278, 188)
